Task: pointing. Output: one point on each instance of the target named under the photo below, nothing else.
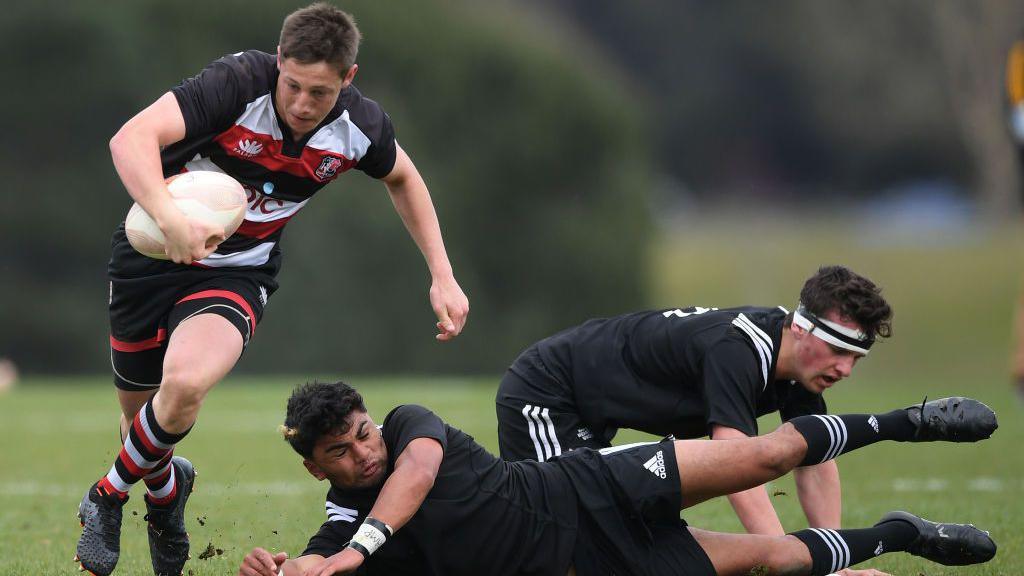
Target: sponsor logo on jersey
(874, 423)
(656, 465)
(263, 295)
(328, 167)
(248, 148)
(584, 434)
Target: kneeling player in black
(696, 372)
(417, 496)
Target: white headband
(833, 332)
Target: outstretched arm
(399, 499)
(820, 494)
(753, 507)
(412, 201)
(259, 562)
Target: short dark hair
(853, 296)
(316, 409)
(320, 33)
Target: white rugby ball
(212, 197)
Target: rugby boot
(168, 540)
(955, 419)
(99, 546)
(947, 544)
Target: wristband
(370, 536)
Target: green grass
(59, 436)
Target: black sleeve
(409, 422)
(379, 159)
(801, 402)
(212, 100)
(732, 383)
(399, 555)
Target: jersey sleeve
(732, 382)
(211, 100)
(380, 157)
(409, 422)
(802, 402)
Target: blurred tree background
(565, 144)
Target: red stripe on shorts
(230, 296)
(148, 344)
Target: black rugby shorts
(144, 312)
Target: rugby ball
(212, 197)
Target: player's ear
(314, 469)
(278, 56)
(350, 75)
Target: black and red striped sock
(145, 448)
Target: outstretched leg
(708, 469)
(818, 552)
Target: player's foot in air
(168, 540)
(947, 544)
(100, 544)
(955, 419)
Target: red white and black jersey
(678, 371)
(232, 126)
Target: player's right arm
(135, 150)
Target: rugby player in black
(417, 496)
(694, 372)
(284, 125)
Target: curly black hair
(316, 409)
(852, 296)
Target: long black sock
(833, 550)
(830, 435)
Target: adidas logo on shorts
(657, 465)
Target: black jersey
(231, 126)
(482, 516)
(678, 371)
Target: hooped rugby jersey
(231, 126)
(482, 516)
(678, 371)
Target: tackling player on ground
(284, 125)
(694, 372)
(417, 496)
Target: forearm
(412, 201)
(820, 494)
(756, 512)
(401, 496)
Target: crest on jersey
(328, 167)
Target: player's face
(306, 93)
(356, 459)
(821, 365)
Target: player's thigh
(210, 327)
(712, 468)
(743, 553)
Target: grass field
(60, 435)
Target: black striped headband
(832, 332)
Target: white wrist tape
(370, 537)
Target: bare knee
(784, 449)
(787, 556)
(182, 392)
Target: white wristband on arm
(371, 535)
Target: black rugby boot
(168, 540)
(946, 544)
(955, 419)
